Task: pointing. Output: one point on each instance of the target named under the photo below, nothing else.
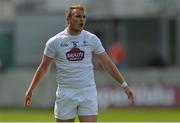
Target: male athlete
(72, 51)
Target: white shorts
(72, 102)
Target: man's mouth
(81, 25)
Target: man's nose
(81, 18)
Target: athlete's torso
(73, 57)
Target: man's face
(77, 20)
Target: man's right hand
(28, 98)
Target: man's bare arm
(111, 68)
(39, 74)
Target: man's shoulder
(59, 35)
(56, 37)
(90, 34)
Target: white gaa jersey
(73, 58)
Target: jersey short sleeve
(50, 50)
(97, 47)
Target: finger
(131, 98)
(27, 102)
(132, 101)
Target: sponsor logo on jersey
(75, 54)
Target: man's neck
(73, 32)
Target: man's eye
(78, 16)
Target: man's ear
(68, 19)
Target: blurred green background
(108, 115)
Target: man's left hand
(130, 94)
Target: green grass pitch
(108, 115)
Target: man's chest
(74, 49)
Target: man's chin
(80, 29)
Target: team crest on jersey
(75, 54)
(85, 43)
(64, 45)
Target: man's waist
(75, 85)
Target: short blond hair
(72, 7)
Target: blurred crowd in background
(141, 36)
(147, 30)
